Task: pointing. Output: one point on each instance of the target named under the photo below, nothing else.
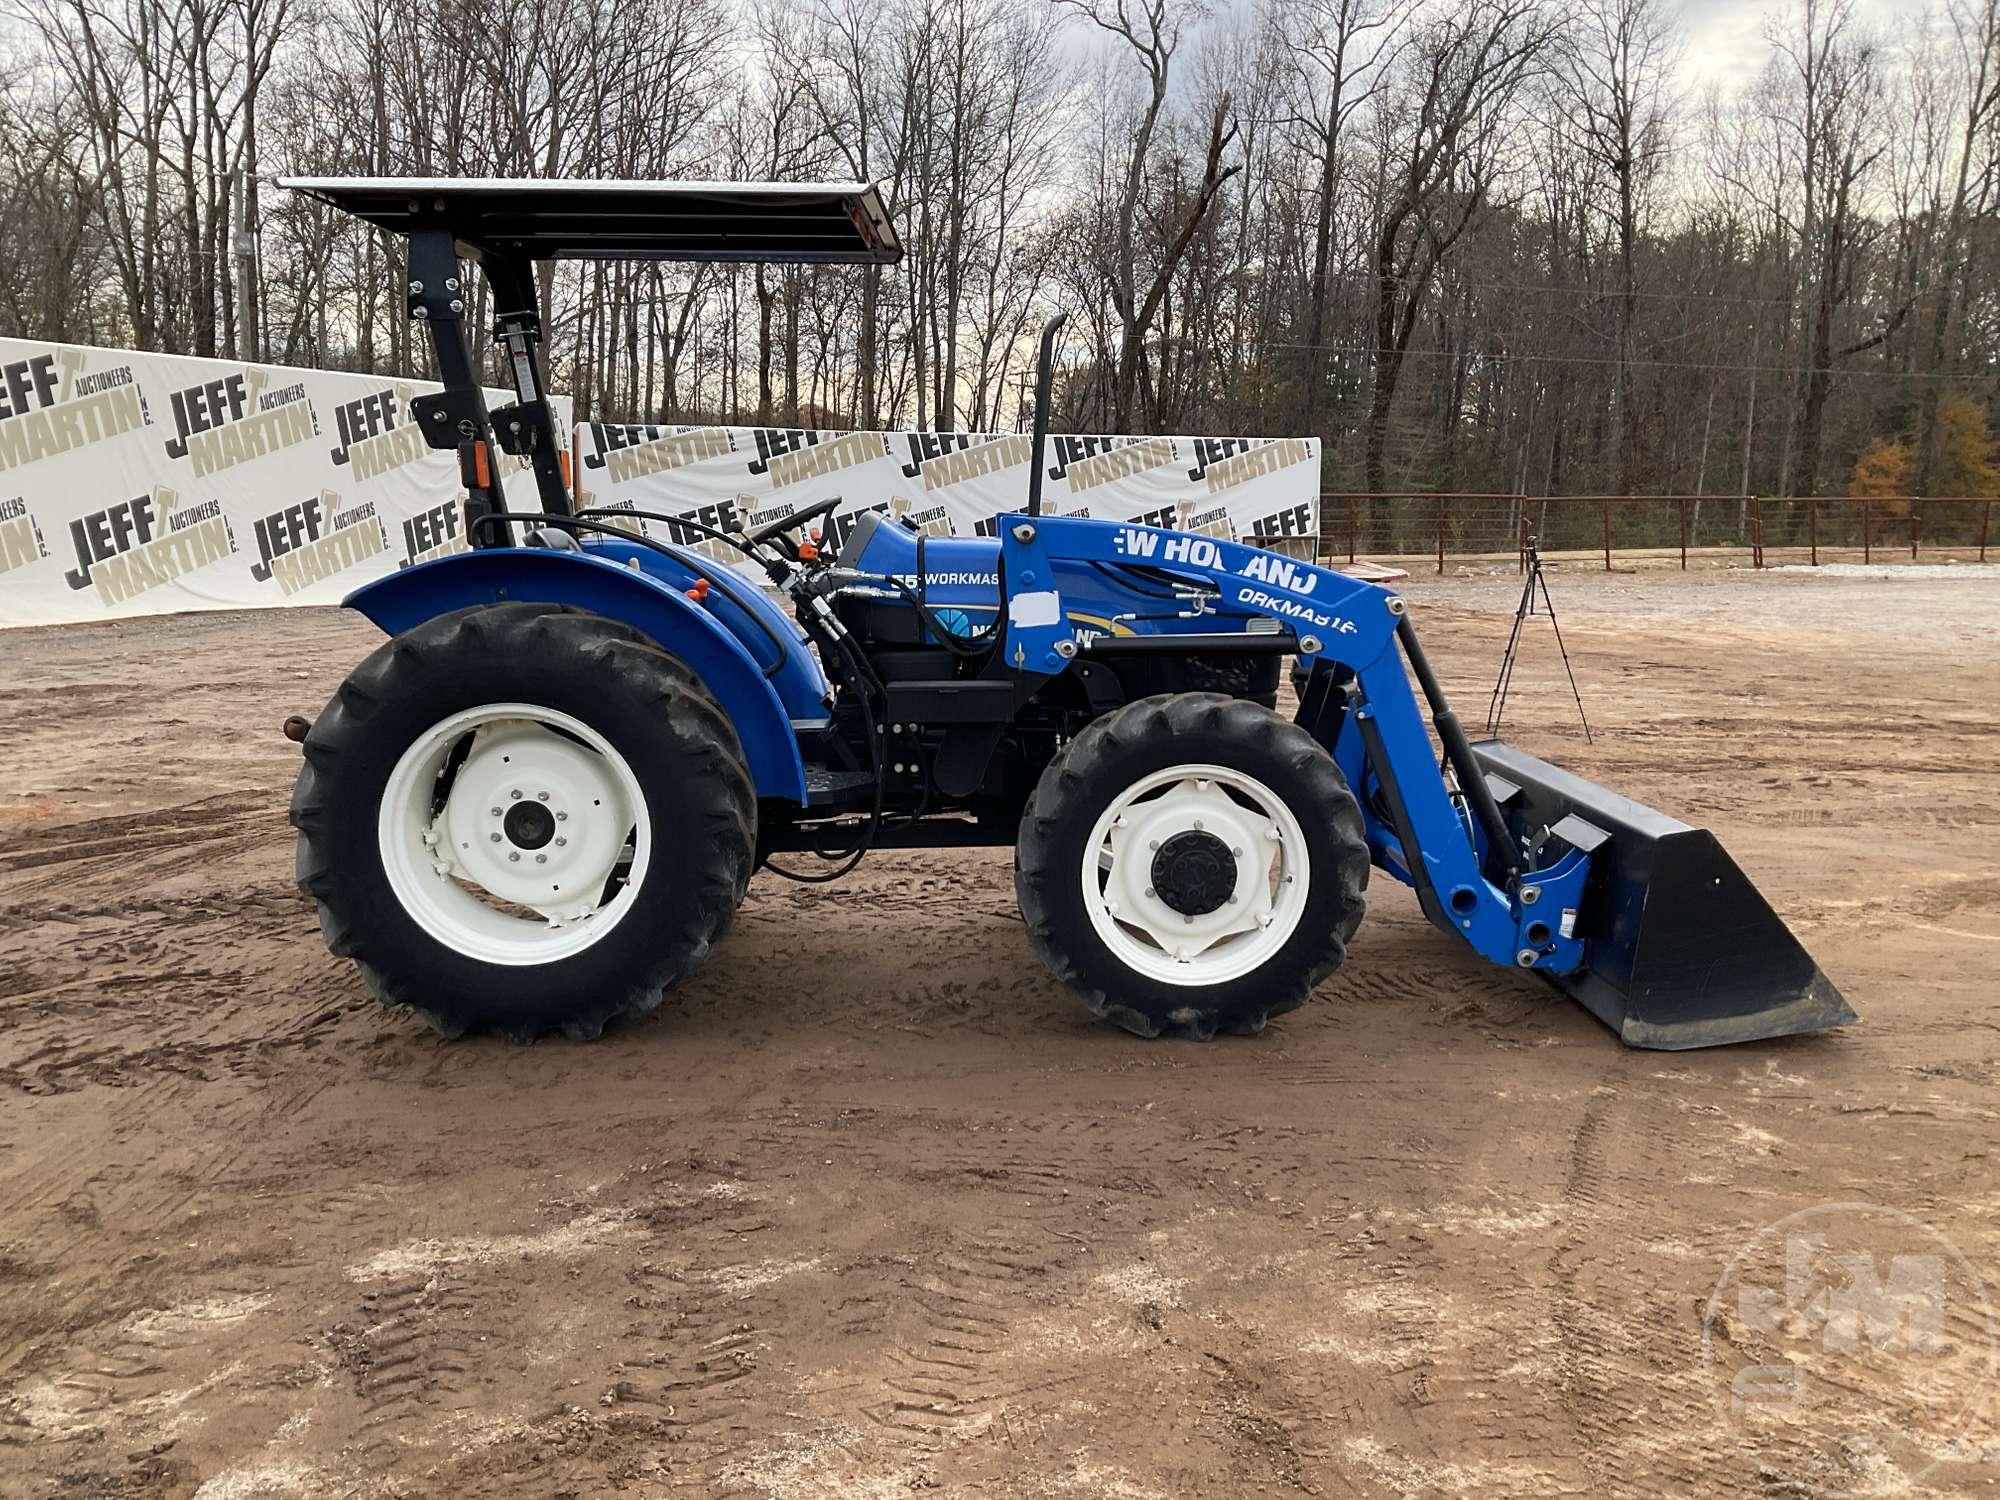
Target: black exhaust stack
(1045, 379)
(1684, 951)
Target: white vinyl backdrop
(950, 484)
(136, 484)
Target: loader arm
(1645, 921)
(1419, 830)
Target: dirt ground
(872, 1207)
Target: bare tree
(1441, 148)
(1152, 35)
(1973, 193)
(1835, 128)
(1486, 245)
(1340, 52)
(1616, 73)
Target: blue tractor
(538, 804)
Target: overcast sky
(1725, 38)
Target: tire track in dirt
(147, 1366)
(1627, 1359)
(982, 977)
(872, 1207)
(62, 1054)
(953, 1370)
(73, 1216)
(81, 962)
(242, 818)
(406, 1349)
(1585, 1354)
(995, 1225)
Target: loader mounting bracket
(449, 417)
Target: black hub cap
(1194, 873)
(529, 825)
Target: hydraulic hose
(1458, 750)
(862, 682)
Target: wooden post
(1606, 510)
(1440, 536)
(1985, 524)
(1683, 506)
(1867, 532)
(1812, 526)
(1756, 531)
(1351, 503)
(1916, 524)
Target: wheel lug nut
(1237, 852)
(541, 859)
(515, 794)
(541, 796)
(561, 841)
(562, 817)
(1197, 825)
(494, 836)
(496, 812)
(1149, 890)
(1154, 845)
(514, 856)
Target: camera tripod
(1536, 579)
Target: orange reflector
(808, 552)
(482, 466)
(562, 457)
(699, 591)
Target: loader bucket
(1684, 952)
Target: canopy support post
(455, 417)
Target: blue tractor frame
(1643, 919)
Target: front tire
(1191, 864)
(524, 818)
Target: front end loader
(539, 803)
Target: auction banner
(135, 484)
(945, 483)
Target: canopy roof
(546, 219)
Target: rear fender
(663, 614)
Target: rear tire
(1191, 864)
(510, 706)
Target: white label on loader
(1567, 927)
(1030, 610)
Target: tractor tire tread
(1067, 794)
(717, 817)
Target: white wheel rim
(454, 870)
(1273, 875)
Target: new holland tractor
(538, 804)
